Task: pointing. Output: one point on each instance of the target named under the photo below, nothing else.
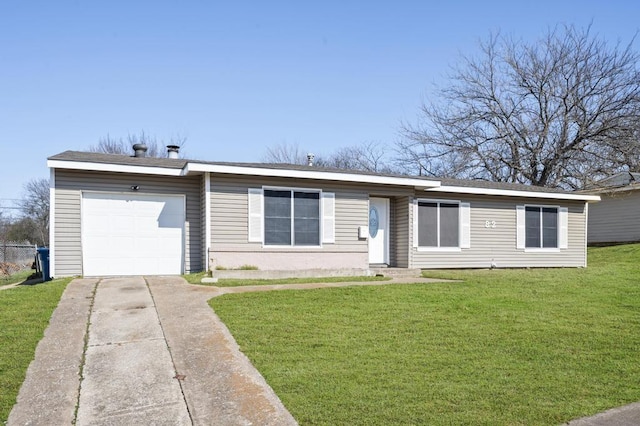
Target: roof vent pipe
(310, 158)
(139, 150)
(173, 151)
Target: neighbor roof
(623, 181)
(80, 160)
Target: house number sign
(373, 221)
(490, 224)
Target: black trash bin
(43, 259)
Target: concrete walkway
(141, 351)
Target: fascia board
(310, 174)
(513, 193)
(118, 168)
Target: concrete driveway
(142, 351)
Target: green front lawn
(24, 315)
(504, 347)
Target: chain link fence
(15, 256)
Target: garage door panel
(121, 224)
(126, 234)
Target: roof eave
(110, 167)
(310, 174)
(514, 193)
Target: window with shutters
(442, 224)
(291, 217)
(542, 228)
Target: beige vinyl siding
(393, 241)
(69, 185)
(615, 219)
(68, 248)
(498, 245)
(203, 224)
(229, 225)
(401, 231)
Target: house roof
(80, 160)
(97, 157)
(623, 181)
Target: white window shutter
(255, 215)
(465, 225)
(563, 228)
(328, 217)
(521, 227)
(415, 223)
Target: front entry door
(378, 230)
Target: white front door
(379, 230)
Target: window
(442, 224)
(291, 217)
(542, 227)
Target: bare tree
(35, 210)
(24, 229)
(155, 147)
(558, 112)
(369, 156)
(286, 153)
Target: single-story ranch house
(120, 215)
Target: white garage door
(132, 234)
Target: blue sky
(237, 77)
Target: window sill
(440, 249)
(291, 247)
(542, 250)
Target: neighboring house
(119, 215)
(615, 219)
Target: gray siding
(229, 226)
(69, 185)
(498, 245)
(615, 219)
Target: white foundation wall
(287, 261)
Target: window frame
(292, 191)
(541, 249)
(439, 248)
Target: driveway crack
(84, 351)
(179, 377)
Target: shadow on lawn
(33, 279)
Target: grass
(504, 347)
(239, 268)
(196, 278)
(15, 278)
(24, 315)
